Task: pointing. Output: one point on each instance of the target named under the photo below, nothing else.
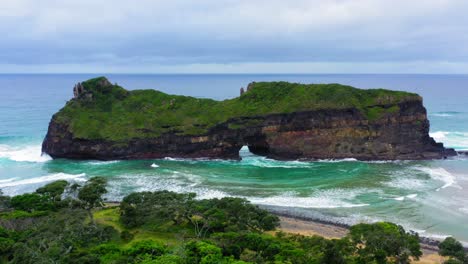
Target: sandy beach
(308, 227)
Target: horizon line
(215, 73)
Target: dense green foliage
(453, 249)
(166, 227)
(113, 113)
(205, 216)
(91, 194)
(381, 241)
(54, 190)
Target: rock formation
(278, 120)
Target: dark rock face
(320, 134)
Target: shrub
(53, 190)
(380, 241)
(452, 248)
(146, 247)
(31, 202)
(126, 235)
(203, 253)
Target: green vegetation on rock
(106, 111)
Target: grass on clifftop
(110, 112)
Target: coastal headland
(279, 120)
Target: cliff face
(384, 128)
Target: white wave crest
(445, 114)
(402, 198)
(453, 139)
(23, 154)
(303, 202)
(103, 162)
(338, 160)
(179, 182)
(183, 182)
(334, 198)
(441, 115)
(263, 162)
(401, 182)
(43, 179)
(7, 180)
(154, 165)
(439, 174)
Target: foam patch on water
(402, 198)
(23, 154)
(457, 140)
(43, 179)
(180, 182)
(338, 160)
(445, 114)
(439, 174)
(263, 162)
(103, 162)
(154, 165)
(401, 182)
(334, 198)
(183, 182)
(7, 180)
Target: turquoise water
(427, 196)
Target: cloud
(177, 33)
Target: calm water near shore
(427, 196)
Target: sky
(227, 36)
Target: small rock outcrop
(278, 120)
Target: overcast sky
(227, 36)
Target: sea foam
(43, 179)
(439, 174)
(333, 198)
(453, 139)
(23, 154)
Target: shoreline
(304, 225)
(315, 226)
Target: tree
(146, 248)
(4, 201)
(203, 253)
(382, 241)
(155, 207)
(229, 214)
(53, 190)
(31, 202)
(452, 248)
(91, 195)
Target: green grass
(166, 233)
(110, 217)
(116, 114)
(17, 214)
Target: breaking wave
(322, 199)
(183, 182)
(457, 140)
(439, 174)
(30, 153)
(402, 198)
(103, 162)
(445, 114)
(12, 182)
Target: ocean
(429, 197)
